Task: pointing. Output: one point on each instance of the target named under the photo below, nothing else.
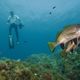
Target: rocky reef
(42, 67)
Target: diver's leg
(10, 31)
(11, 43)
(17, 34)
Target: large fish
(68, 39)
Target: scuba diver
(14, 22)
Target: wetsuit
(14, 21)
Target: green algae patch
(42, 67)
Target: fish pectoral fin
(70, 46)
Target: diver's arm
(18, 19)
(20, 22)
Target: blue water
(39, 26)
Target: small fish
(50, 13)
(54, 7)
(68, 39)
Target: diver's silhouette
(14, 22)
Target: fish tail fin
(52, 46)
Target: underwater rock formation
(42, 67)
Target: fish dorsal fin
(69, 29)
(62, 31)
(58, 34)
(66, 27)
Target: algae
(42, 67)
